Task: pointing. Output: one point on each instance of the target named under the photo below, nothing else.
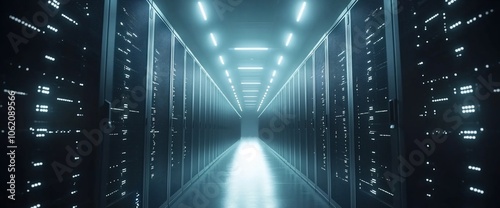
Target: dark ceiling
(251, 23)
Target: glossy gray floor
(250, 176)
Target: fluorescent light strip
(250, 90)
(230, 80)
(227, 73)
(288, 39)
(274, 73)
(271, 80)
(280, 60)
(250, 101)
(221, 60)
(250, 96)
(251, 49)
(213, 39)
(250, 83)
(250, 68)
(202, 11)
(301, 11)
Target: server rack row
(396, 107)
(109, 107)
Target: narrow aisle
(250, 176)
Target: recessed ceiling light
(274, 73)
(250, 96)
(213, 39)
(280, 60)
(250, 83)
(271, 80)
(227, 73)
(250, 68)
(301, 11)
(230, 80)
(202, 11)
(251, 49)
(288, 39)
(221, 60)
(250, 90)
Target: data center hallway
(250, 175)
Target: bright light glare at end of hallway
(250, 184)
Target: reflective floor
(250, 176)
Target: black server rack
(371, 96)
(339, 117)
(196, 119)
(89, 85)
(45, 105)
(188, 118)
(320, 113)
(301, 75)
(412, 93)
(160, 106)
(450, 61)
(125, 90)
(309, 117)
(177, 119)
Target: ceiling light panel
(251, 49)
(250, 68)
(221, 60)
(250, 83)
(302, 8)
(200, 5)
(213, 39)
(288, 39)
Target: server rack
(125, 89)
(411, 101)
(44, 88)
(160, 124)
(92, 87)
(320, 117)
(450, 56)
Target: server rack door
(292, 122)
(49, 98)
(309, 96)
(196, 119)
(303, 120)
(450, 60)
(124, 149)
(296, 120)
(289, 127)
(285, 139)
(320, 117)
(282, 141)
(339, 117)
(176, 136)
(209, 122)
(203, 136)
(370, 79)
(188, 118)
(160, 107)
